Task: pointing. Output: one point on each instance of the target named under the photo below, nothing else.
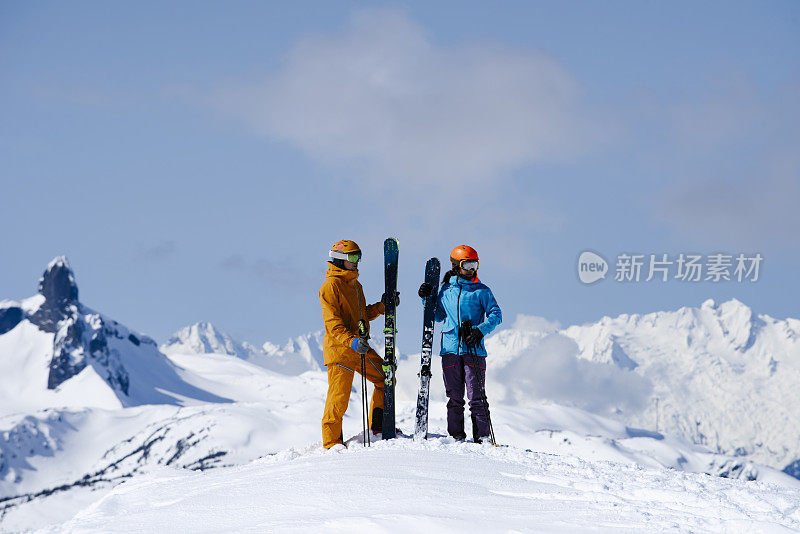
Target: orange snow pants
(340, 383)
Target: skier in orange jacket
(343, 306)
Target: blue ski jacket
(462, 299)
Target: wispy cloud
(274, 274)
(235, 262)
(383, 96)
(156, 252)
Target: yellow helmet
(345, 250)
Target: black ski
(390, 253)
(432, 278)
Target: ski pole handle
(465, 329)
(362, 329)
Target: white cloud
(384, 96)
(534, 323)
(550, 369)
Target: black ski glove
(474, 338)
(447, 275)
(396, 299)
(425, 290)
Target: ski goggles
(352, 257)
(469, 265)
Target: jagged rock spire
(57, 284)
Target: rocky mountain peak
(57, 284)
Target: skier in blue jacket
(462, 297)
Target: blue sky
(196, 160)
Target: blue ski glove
(360, 345)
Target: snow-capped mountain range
(204, 338)
(298, 355)
(716, 375)
(723, 376)
(87, 403)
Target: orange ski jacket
(343, 305)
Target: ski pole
(363, 401)
(362, 330)
(466, 327)
(474, 352)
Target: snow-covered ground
(437, 486)
(272, 430)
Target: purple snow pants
(459, 370)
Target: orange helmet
(345, 250)
(464, 253)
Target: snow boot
(377, 421)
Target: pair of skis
(432, 268)
(390, 254)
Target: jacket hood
(337, 272)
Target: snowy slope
(438, 486)
(59, 446)
(721, 376)
(59, 461)
(55, 461)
